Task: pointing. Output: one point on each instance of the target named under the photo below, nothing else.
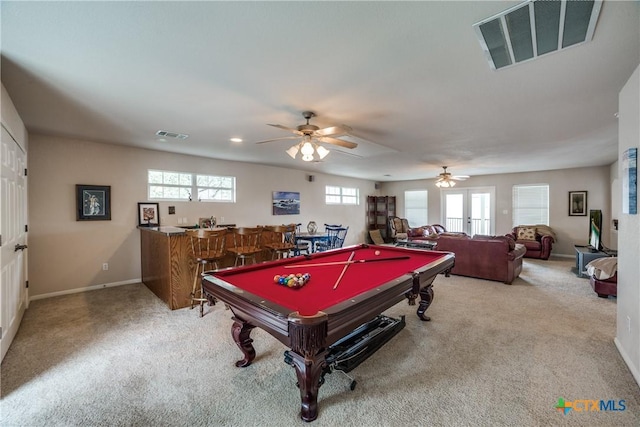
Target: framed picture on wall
(286, 203)
(148, 214)
(93, 202)
(577, 203)
(630, 181)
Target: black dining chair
(301, 245)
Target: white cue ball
(377, 252)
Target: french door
(469, 210)
(13, 236)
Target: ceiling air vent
(164, 133)
(534, 28)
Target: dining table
(311, 238)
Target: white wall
(570, 230)
(628, 319)
(12, 121)
(66, 254)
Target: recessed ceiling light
(236, 140)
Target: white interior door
(469, 210)
(13, 208)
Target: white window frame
(533, 201)
(212, 193)
(418, 205)
(335, 195)
(188, 184)
(185, 189)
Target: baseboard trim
(627, 360)
(85, 289)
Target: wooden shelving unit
(379, 209)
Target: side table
(584, 256)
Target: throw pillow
(405, 225)
(416, 232)
(526, 233)
(376, 237)
(397, 225)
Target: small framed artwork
(148, 214)
(93, 202)
(286, 203)
(577, 203)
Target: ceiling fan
(311, 135)
(446, 180)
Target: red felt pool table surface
(318, 293)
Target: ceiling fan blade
(278, 139)
(460, 177)
(340, 142)
(333, 131)
(296, 131)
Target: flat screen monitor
(595, 228)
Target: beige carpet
(493, 355)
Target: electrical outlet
(179, 220)
(105, 266)
(222, 219)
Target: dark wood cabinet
(379, 209)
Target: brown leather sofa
(537, 239)
(426, 231)
(485, 257)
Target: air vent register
(534, 28)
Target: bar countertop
(170, 230)
(164, 229)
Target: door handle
(20, 248)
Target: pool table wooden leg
(308, 372)
(240, 330)
(426, 297)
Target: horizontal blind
(531, 204)
(416, 207)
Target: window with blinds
(416, 207)
(530, 204)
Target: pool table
(311, 318)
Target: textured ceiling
(408, 77)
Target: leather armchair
(540, 246)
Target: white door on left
(13, 221)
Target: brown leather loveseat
(485, 257)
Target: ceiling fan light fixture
(322, 152)
(307, 149)
(293, 151)
(445, 183)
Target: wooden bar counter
(167, 268)
(167, 263)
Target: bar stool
(208, 247)
(282, 241)
(246, 243)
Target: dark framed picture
(577, 203)
(148, 214)
(93, 202)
